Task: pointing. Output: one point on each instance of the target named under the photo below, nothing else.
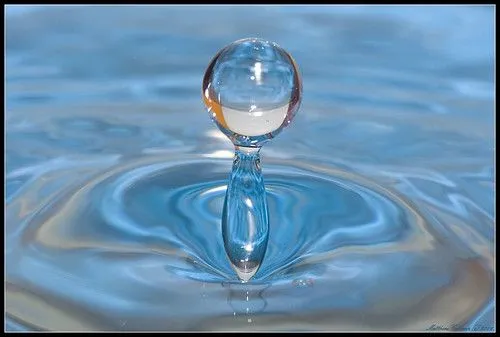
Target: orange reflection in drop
(214, 107)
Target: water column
(252, 89)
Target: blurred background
(393, 82)
(400, 95)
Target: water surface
(380, 193)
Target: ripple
(119, 249)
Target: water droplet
(252, 89)
(248, 82)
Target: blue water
(380, 195)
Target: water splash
(252, 90)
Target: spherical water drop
(252, 89)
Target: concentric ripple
(139, 245)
